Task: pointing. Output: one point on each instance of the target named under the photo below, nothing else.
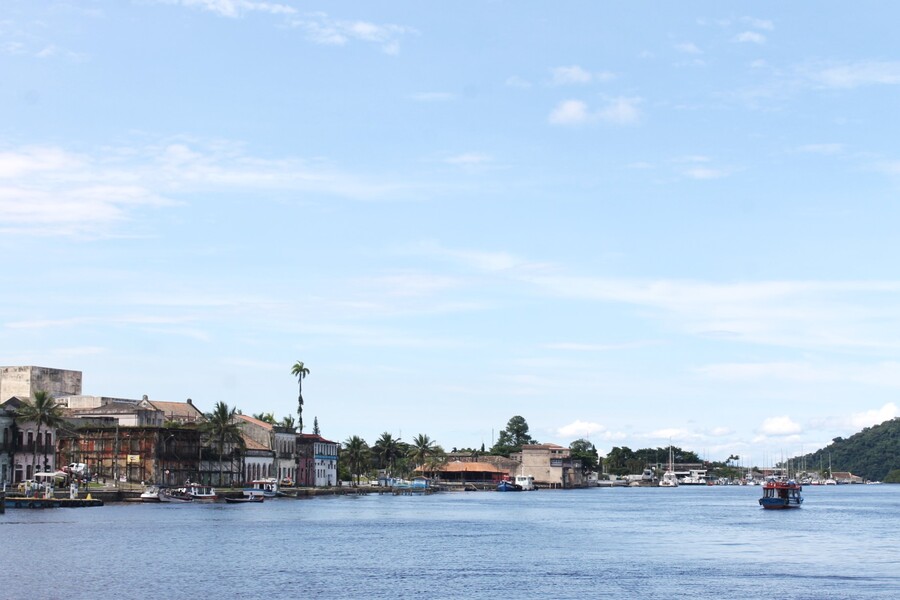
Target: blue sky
(628, 222)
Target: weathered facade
(317, 460)
(7, 436)
(31, 448)
(550, 465)
(25, 381)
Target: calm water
(623, 543)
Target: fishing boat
(526, 482)
(202, 493)
(174, 495)
(781, 494)
(508, 486)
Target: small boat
(176, 495)
(151, 494)
(262, 487)
(200, 492)
(246, 499)
(508, 486)
(781, 494)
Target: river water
(688, 542)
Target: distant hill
(872, 453)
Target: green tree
(585, 451)
(387, 449)
(513, 437)
(288, 422)
(316, 430)
(356, 451)
(43, 411)
(421, 449)
(299, 371)
(223, 430)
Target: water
(692, 542)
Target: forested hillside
(872, 453)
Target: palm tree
(44, 412)
(421, 449)
(357, 452)
(387, 449)
(300, 372)
(288, 422)
(265, 417)
(221, 427)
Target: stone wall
(24, 381)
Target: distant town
(50, 427)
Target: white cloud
(51, 191)
(570, 112)
(235, 8)
(688, 48)
(759, 23)
(856, 74)
(779, 426)
(569, 75)
(322, 29)
(579, 429)
(821, 148)
(581, 347)
(619, 111)
(875, 416)
(751, 37)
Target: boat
(669, 479)
(256, 498)
(262, 487)
(176, 495)
(151, 494)
(508, 486)
(781, 494)
(201, 493)
(695, 477)
(526, 482)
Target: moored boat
(175, 495)
(262, 487)
(246, 499)
(508, 486)
(781, 494)
(201, 493)
(526, 482)
(151, 494)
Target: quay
(33, 502)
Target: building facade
(317, 460)
(550, 465)
(23, 382)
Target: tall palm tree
(265, 417)
(357, 452)
(221, 427)
(44, 412)
(388, 450)
(421, 449)
(300, 372)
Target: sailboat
(669, 479)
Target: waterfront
(609, 543)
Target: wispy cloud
(322, 29)
(688, 48)
(234, 8)
(759, 23)
(517, 82)
(826, 149)
(575, 74)
(469, 159)
(856, 74)
(753, 37)
(50, 190)
(580, 429)
(618, 111)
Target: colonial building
(281, 441)
(32, 448)
(127, 413)
(317, 463)
(7, 437)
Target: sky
(639, 223)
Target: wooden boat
(262, 487)
(246, 499)
(781, 494)
(508, 486)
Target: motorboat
(526, 482)
(262, 487)
(174, 495)
(254, 499)
(151, 494)
(508, 486)
(781, 494)
(201, 493)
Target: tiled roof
(184, 410)
(257, 422)
(469, 467)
